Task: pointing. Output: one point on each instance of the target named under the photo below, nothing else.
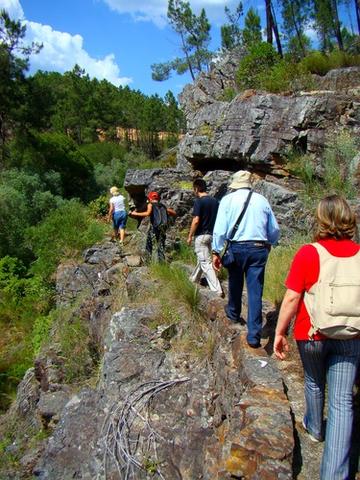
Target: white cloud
(155, 10)
(13, 8)
(61, 51)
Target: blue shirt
(258, 223)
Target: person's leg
(203, 253)
(236, 283)
(254, 269)
(149, 243)
(115, 219)
(343, 361)
(160, 235)
(313, 358)
(196, 274)
(122, 225)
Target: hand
(281, 346)
(216, 262)
(189, 240)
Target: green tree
(327, 23)
(252, 29)
(14, 59)
(231, 35)
(260, 59)
(194, 32)
(295, 15)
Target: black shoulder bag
(226, 255)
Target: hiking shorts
(119, 219)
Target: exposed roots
(130, 439)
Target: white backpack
(333, 302)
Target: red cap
(153, 196)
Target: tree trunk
(337, 28)
(357, 10)
(297, 29)
(269, 27)
(276, 31)
(187, 57)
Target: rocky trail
(156, 411)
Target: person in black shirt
(202, 226)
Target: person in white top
(117, 213)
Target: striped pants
(334, 362)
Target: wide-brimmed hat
(153, 196)
(241, 179)
(114, 191)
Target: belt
(256, 243)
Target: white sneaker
(312, 438)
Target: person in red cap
(158, 214)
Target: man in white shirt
(250, 247)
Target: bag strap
(237, 224)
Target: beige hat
(114, 191)
(241, 179)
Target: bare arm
(171, 212)
(193, 227)
(111, 209)
(288, 310)
(147, 212)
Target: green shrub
(284, 76)
(41, 332)
(319, 63)
(100, 206)
(184, 253)
(73, 337)
(337, 169)
(63, 234)
(261, 57)
(228, 94)
(277, 268)
(177, 281)
(337, 162)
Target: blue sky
(113, 39)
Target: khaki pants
(204, 263)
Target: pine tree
(231, 32)
(295, 14)
(252, 30)
(194, 32)
(14, 60)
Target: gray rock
(255, 131)
(51, 405)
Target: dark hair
(334, 218)
(200, 185)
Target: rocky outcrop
(153, 408)
(178, 194)
(255, 130)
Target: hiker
(117, 213)
(246, 223)
(158, 214)
(202, 226)
(319, 299)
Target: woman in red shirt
(324, 359)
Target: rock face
(153, 410)
(178, 194)
(254, 130)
